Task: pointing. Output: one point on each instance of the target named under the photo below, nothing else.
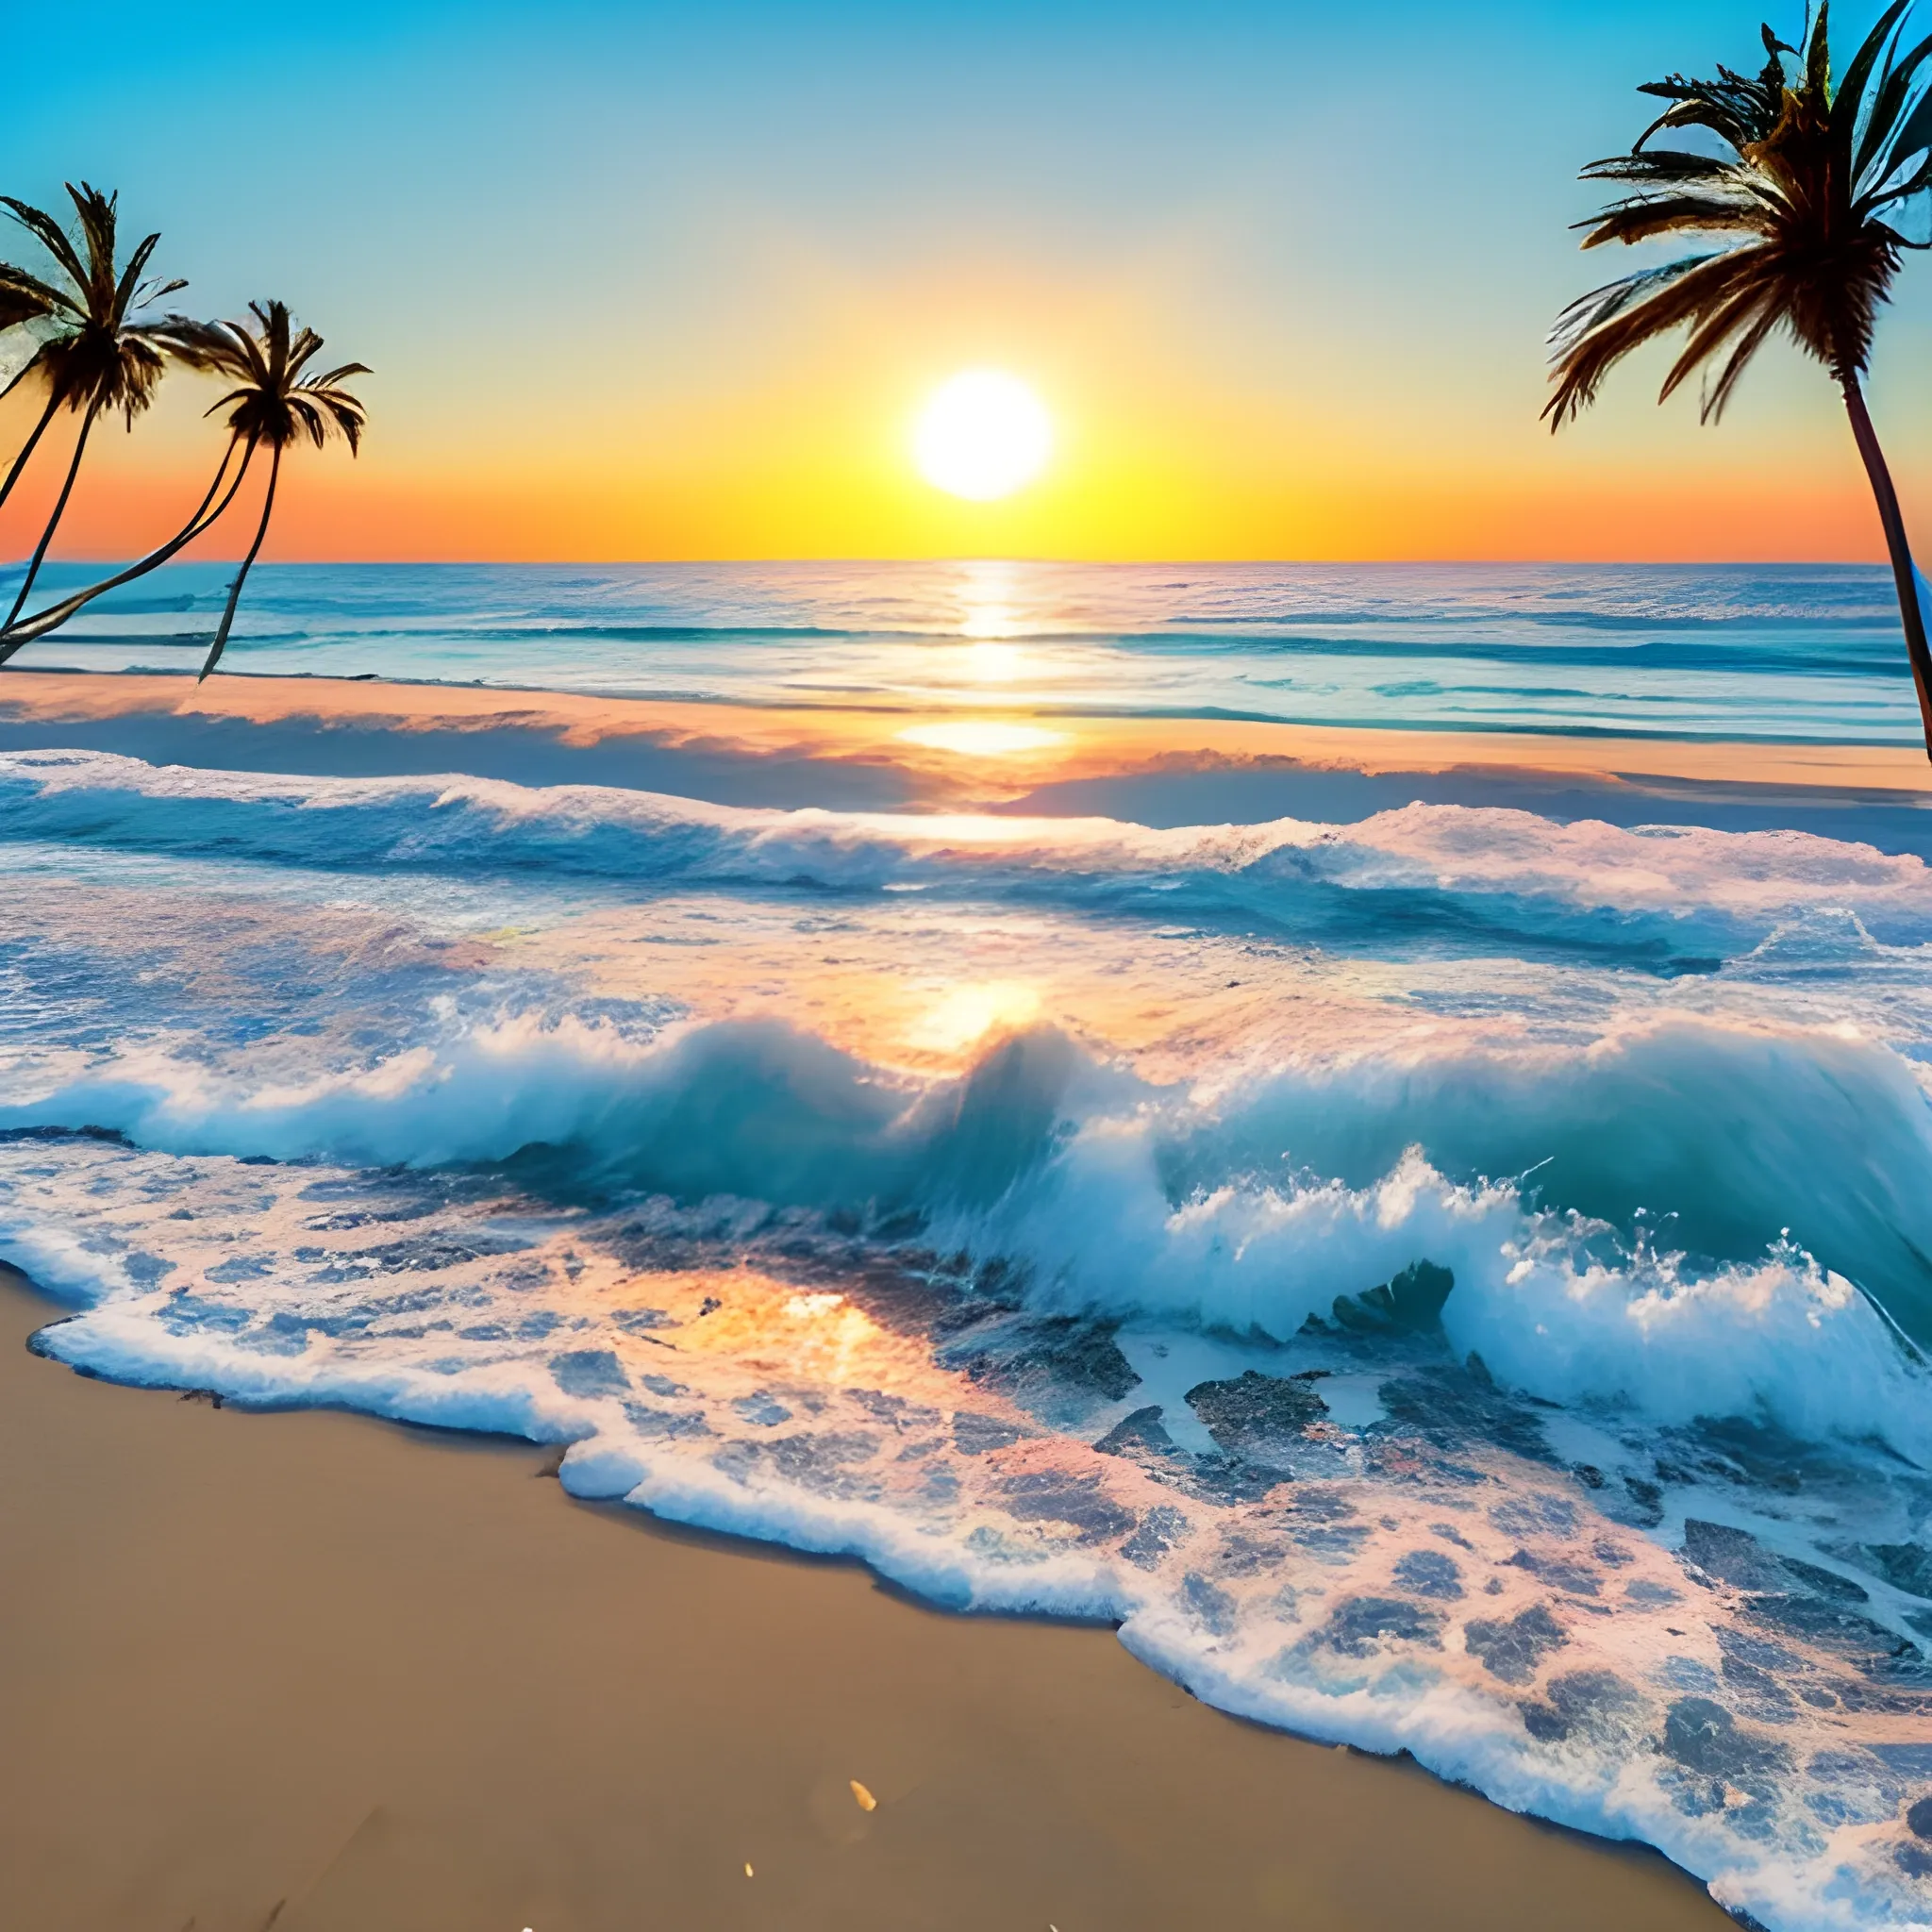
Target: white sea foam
(1622, 1532)
(1679, 874)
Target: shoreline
(380, 1675)
(582, 719)
(1152, 771)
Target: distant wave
(1867, 651)
(1788, 652)
(1684, 889)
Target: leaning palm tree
(97, 350)
(1804, 206)
(24, 630)
(315, 405)
(273, 404)
(27, 305)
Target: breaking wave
(1500, 1337)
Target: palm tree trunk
(27, 448)
(1905, 578)
(33, 568)
(51, 619)
(268, 505)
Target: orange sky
(729, 485)
(641, 283)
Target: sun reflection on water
(981, 737)
(995, 663)
(966, 1014)
(990, 621)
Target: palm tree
(98, 354)
(273, 404)
(1803, 207)
(26, 303)
(207, 512)
(313, 404)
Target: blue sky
(666, 280)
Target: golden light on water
(982, 435)
(808, 1307)
(981, 736)
(965, 1014)
(991, 615)
(994, 663)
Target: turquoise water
(1452, 1277)
(1776, 652)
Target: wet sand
(346, 1675)
(891, 759)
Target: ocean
(1746, 651)
(1439, 1275)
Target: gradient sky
(641, 281)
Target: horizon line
(7, 568)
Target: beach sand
(340, 1674)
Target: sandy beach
(318, 1669)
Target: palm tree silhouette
(1803, 207)
(207, 512)
(96, 354)
(27, 303)
(272, 404)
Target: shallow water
(1454, 1280)
(1772, 652)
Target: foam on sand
(1499, 1339)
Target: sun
(982, 435)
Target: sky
(642, 281)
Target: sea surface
(1788, 652)
(1457, 1280)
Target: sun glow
(965, 1014)
(982, 436)
(994, 663)
(977, 737)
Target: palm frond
(1895, 192)
(1712, 329)
(53, 238)
(123, 300)
(150, 292)
(233, 397)
(1818, 54)
(194, 344)
(26, 295)
(345, 412)
(1660, 165)
(99, 220)
(1795, 201)
(273, 401)
(1646, 217)
(1896, 130)
(1600, 304)
(1748, 344)
(1879, 113)
(1735, 108)
(1655, 304)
